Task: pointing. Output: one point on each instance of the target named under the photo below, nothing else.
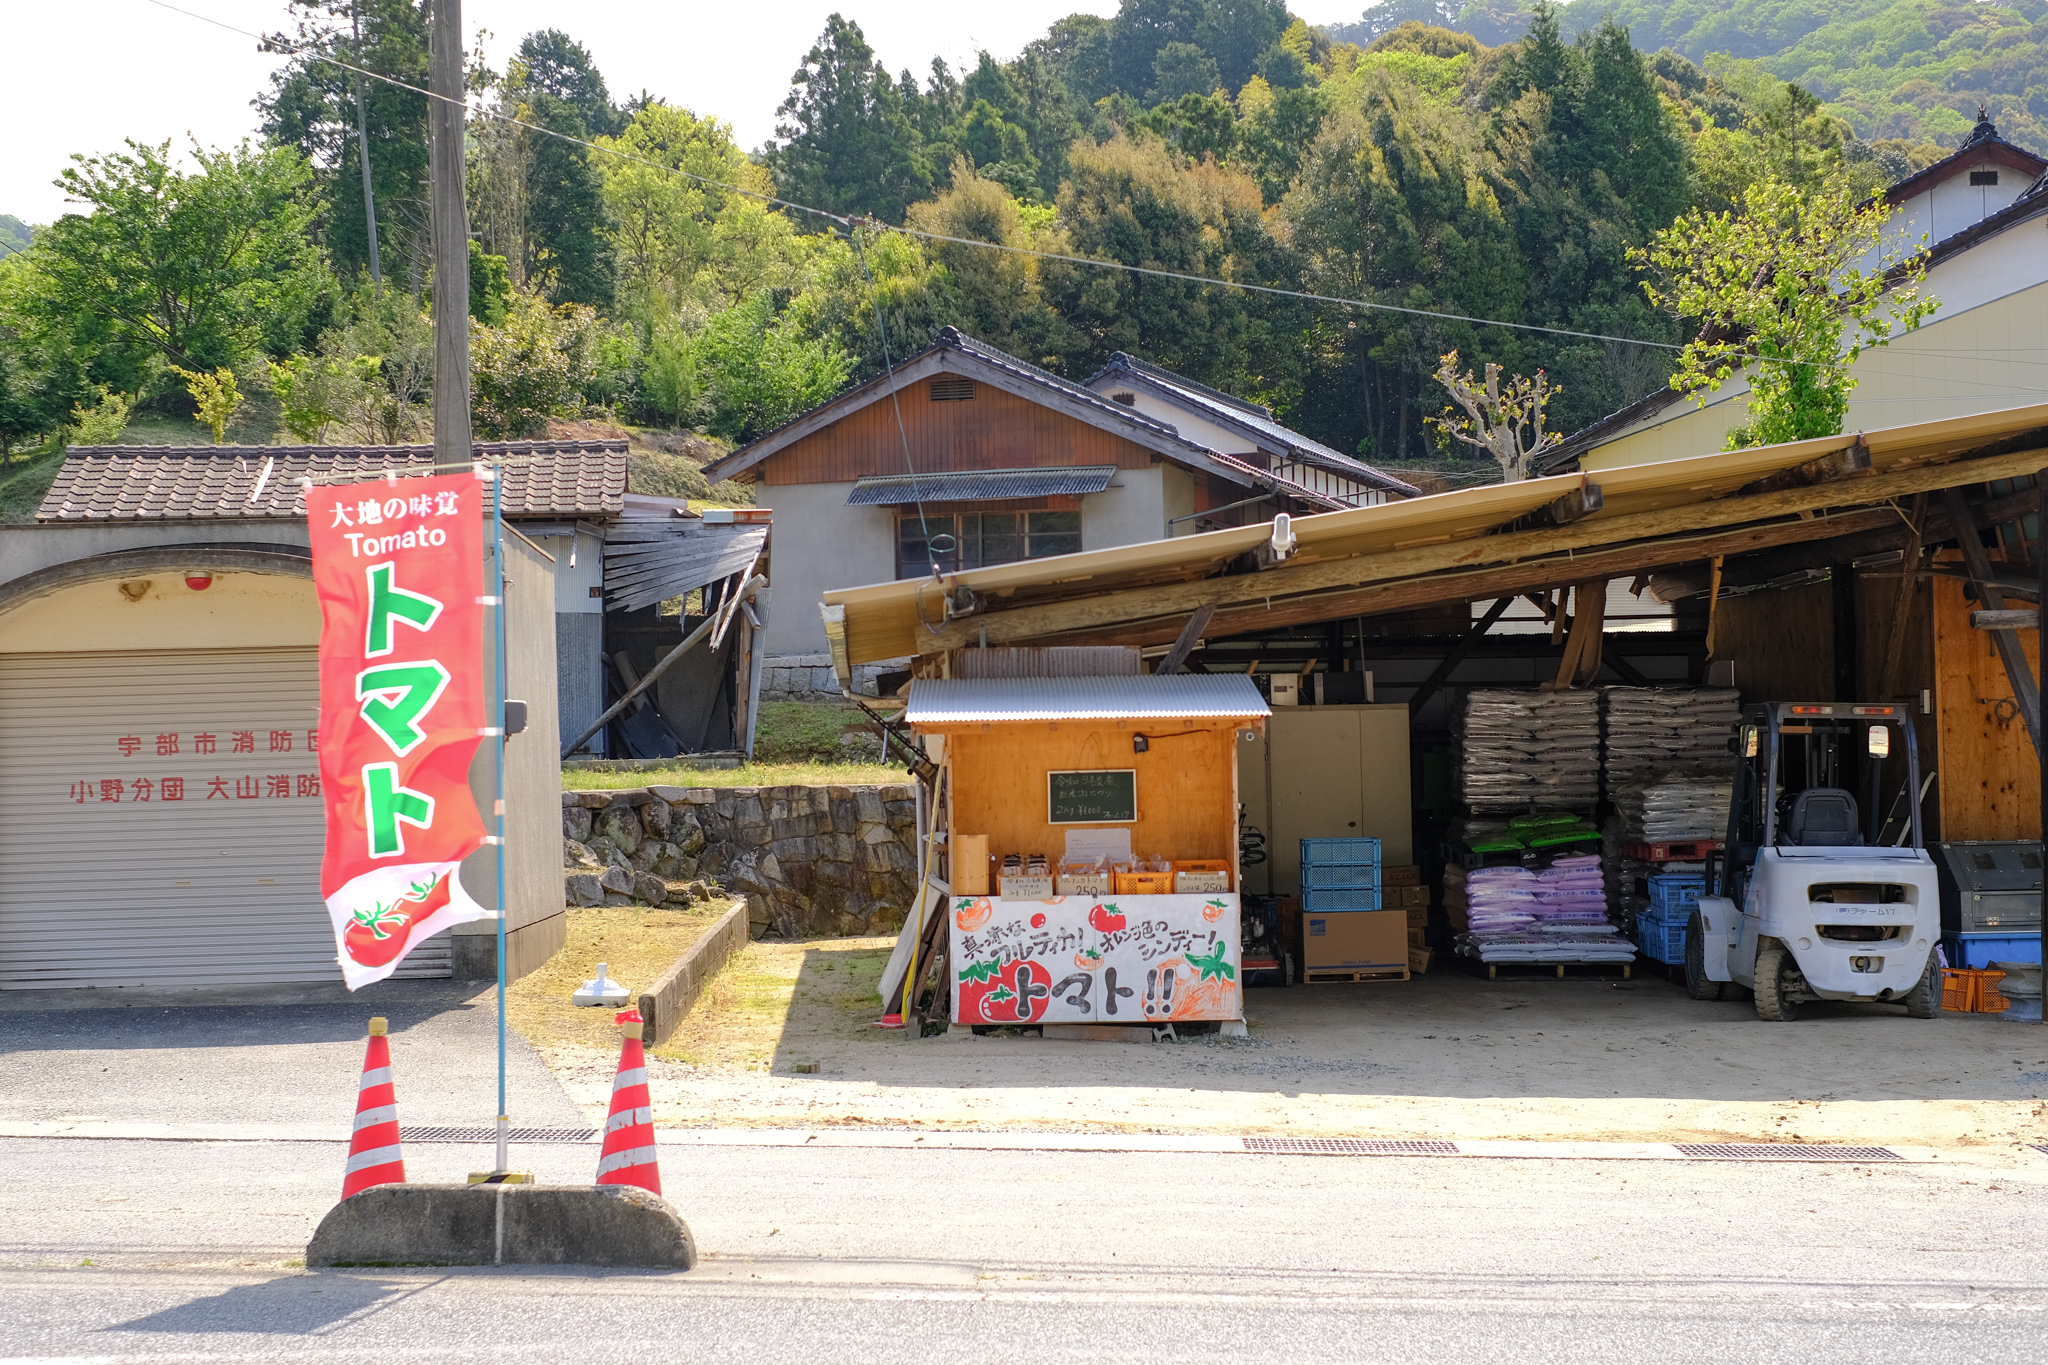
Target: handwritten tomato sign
(398, 567)
(1084, 960)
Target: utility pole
(445, 124)
(355, 17)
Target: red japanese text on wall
(398, 569)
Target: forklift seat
(1823, 817)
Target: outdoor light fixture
(1282, 543)
(199, 582)
(1139, 744)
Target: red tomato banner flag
(398, 565)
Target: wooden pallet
(1528, 971)
(1322, 978)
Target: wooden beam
(1902, 605)
(1581, 502)
(1441, 674)
(1047, 618)
(2025, 693)
(1190, 636)
(1474, 585)
(2017, 618)
(1849, 462)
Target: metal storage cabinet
(1990, 887)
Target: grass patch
(804, 731)
(776, 1000)
(636, 945)
(746, 775)
(24, 482)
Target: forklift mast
(1784, 748)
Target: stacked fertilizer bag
(1548, 906)
(1668, 773)
(1652, 731)
(1519, 751)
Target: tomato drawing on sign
(1012, 993)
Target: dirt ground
(635, 943)
(1445, 1055)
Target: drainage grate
(1782, 1151)
(1349, 1147)
(491, 1134)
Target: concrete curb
(664, 1004)
(619, 1226)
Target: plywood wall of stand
(1989, 787)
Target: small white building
(1984, 214)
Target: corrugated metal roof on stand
(1447, 547)
(894, 490)
(650, 562)
(1178, 696)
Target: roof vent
(1983, 177)
(1129, 400)
(952, 389)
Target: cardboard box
(1354, 940)
(1417, 938)
(970, 864)
(1417, 919)
(1026, 888)
(1407, 874)
(1419, 959)
(1404, 898)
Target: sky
(87, 74)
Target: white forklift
(1809, 901)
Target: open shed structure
(1894, 565)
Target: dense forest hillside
(1893, 68)
(1474, 183)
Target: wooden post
(449, 213)
(2041, 750)
(355, 19)
(1902, 605)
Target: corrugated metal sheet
(100, 888)
(937, 701)
(893, 490)
(646, 563)
(1059, 661)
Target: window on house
(982, 538)
(949, 389)
(1983, 177)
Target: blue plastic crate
(1981, 950)
(1676, 893)
(1663, 936)
(1321, 875)
(1322, 900)
(1340, 851)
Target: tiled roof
(177, 483)
(1252, 418)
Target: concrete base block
(597, 1225)
(1097, 1033)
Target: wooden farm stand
(1011, 754)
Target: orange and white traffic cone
(628, 1154)
(374, 1157)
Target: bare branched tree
(1504, 420)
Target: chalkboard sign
(1098, 797)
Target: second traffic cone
(374, 1157)
(628, 1154)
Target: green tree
(215, 398)
(848, 142)
(996, 296)
(760, 371)
(531, 369)
(1789, 293)
(568, 254)
(200, 268)
(311, 105)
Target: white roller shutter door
(160, 822)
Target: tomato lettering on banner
(398, 570)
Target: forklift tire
(1924, 1000)
(1697, 984)
(1771, 1005)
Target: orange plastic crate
(1973, 990)
(1144, 883)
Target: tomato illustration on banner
(398, 567)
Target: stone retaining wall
(809, 677)
(808, 860)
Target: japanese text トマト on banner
(398, 567)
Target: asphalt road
(950, 1255)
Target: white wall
(1948, 206)
(236, 611)
(819, 543)
(1985, 349)
(1131, 510)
